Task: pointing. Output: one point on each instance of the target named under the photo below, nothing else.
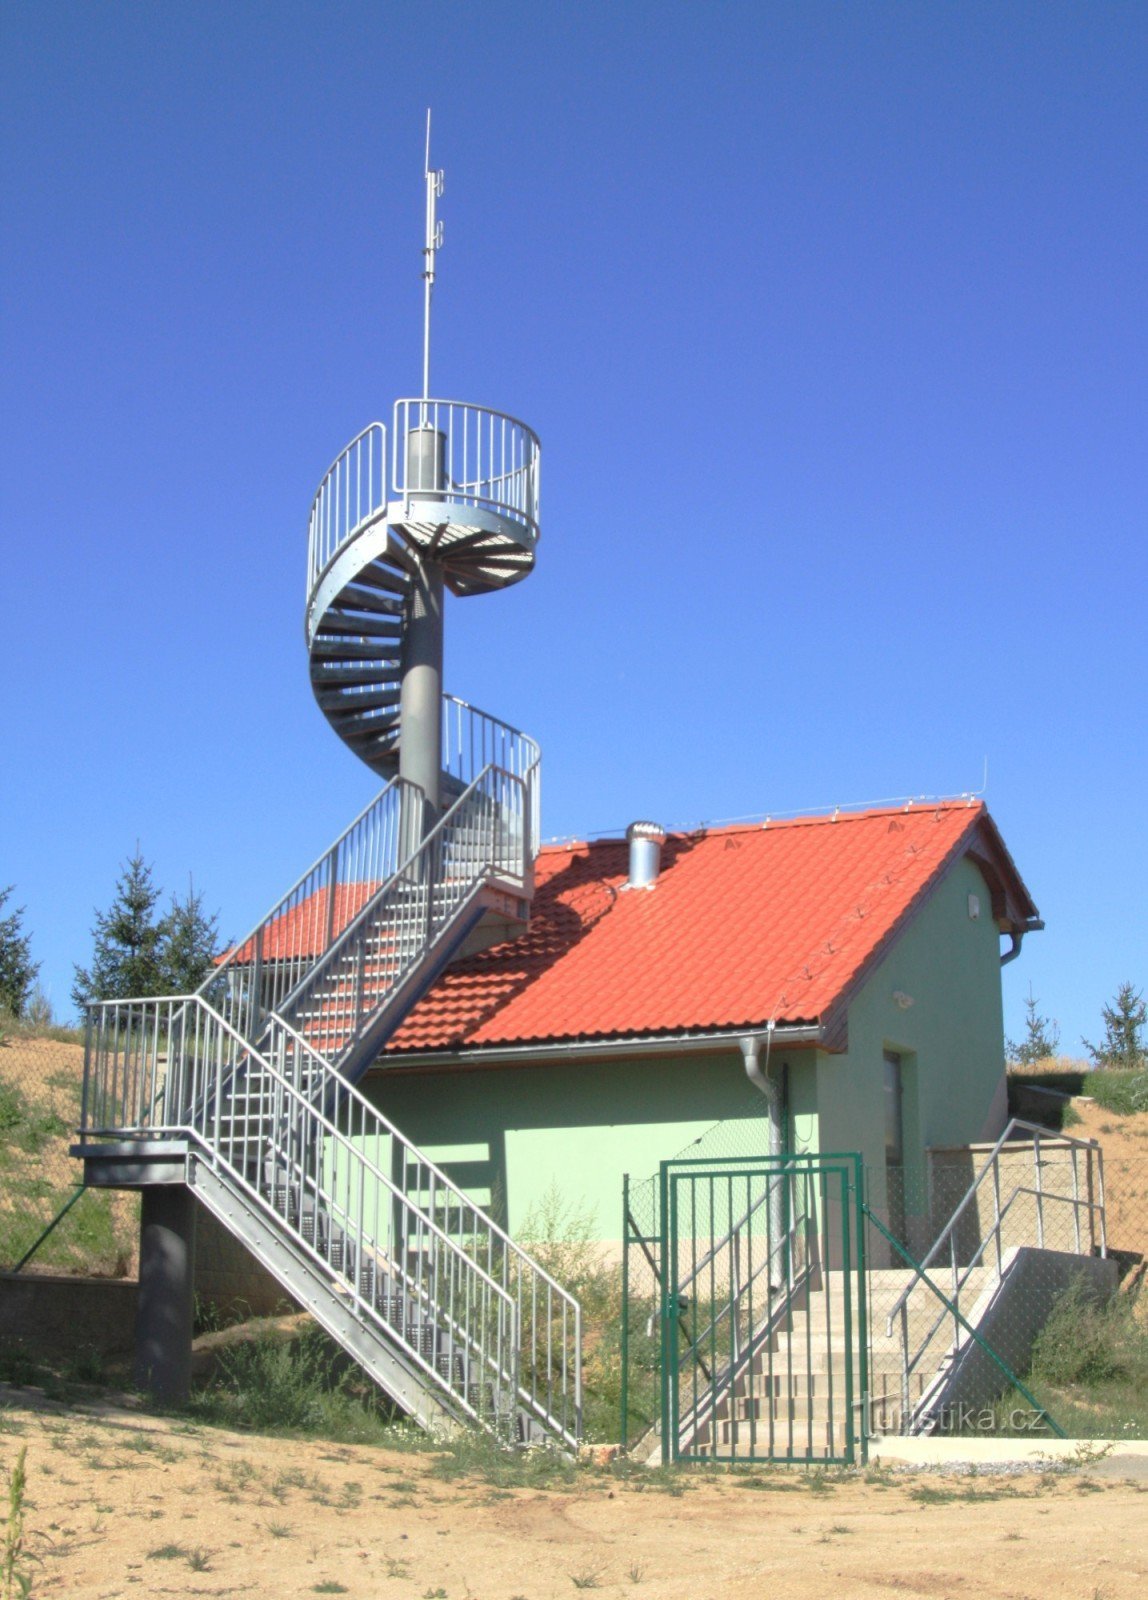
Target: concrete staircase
(793, 1396)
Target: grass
(39, 1106)
(1089, 1366)
(1124, 1093)
(298, 1385)
(560, 1238)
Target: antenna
(432, 246)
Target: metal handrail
(281, 1126)
(353, 490)
(1091, 1145)
(363, 855)
(486, 831)
(500, 1248)
(911, 1359)
(414, 908)
(492, 459)
(899, 1308)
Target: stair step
(351, 700)
(369, 597)
(324, 649)
(325, 675)
(337, 623)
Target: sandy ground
(1124, 1141)
(120, 1504)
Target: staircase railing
(353, 489)
(548, 1317)
(346, 997)
(407, 1245)
(473, 740)
(408, 1279)
(967, 1244)
(258, 973)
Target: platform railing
(490, 460)
(353, 489)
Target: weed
(279, 1530)
(839, 1527)
(397, 1569)
(295, 1385)
(14, 1574)
(329, 1586)
(435, 1594)
(636, 1572)
(589, 1577)
(168, 1552)
(199, 1560)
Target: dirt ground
(1124, 1141)
(120, 1504)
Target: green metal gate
(763, 1313)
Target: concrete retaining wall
(1010, 1315)
(63, 1315)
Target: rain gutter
(591, 1049)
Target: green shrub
(1121, 1092)
(303, 1384)
(1086, 1342)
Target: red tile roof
(744, 925)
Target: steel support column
(166, 1292)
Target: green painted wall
(515, 1133)
(951, 1039)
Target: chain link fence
(48, 1222)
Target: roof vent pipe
(645, 841)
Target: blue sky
(831, 319)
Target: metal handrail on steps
(947, 1240)
(482, 835)
(542, 1304)
(279, 1148)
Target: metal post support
(420, 703)
(166, 1292)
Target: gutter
(1034, 925)
(593, 1049)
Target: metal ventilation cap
(645, 841)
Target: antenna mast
(432, 246)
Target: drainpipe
(766, 1085)
(1035, 925)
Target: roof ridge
(768, 821)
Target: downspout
(1033, 925)
(759, 1075)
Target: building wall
(950, 1040)
(513, 1136)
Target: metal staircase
(245, 1091)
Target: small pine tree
(189, 938)
(1122, 1049)
(17, 969)
(126, 955)
(1041, 1037)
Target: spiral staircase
(245, 1092)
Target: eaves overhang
(711, 1041)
